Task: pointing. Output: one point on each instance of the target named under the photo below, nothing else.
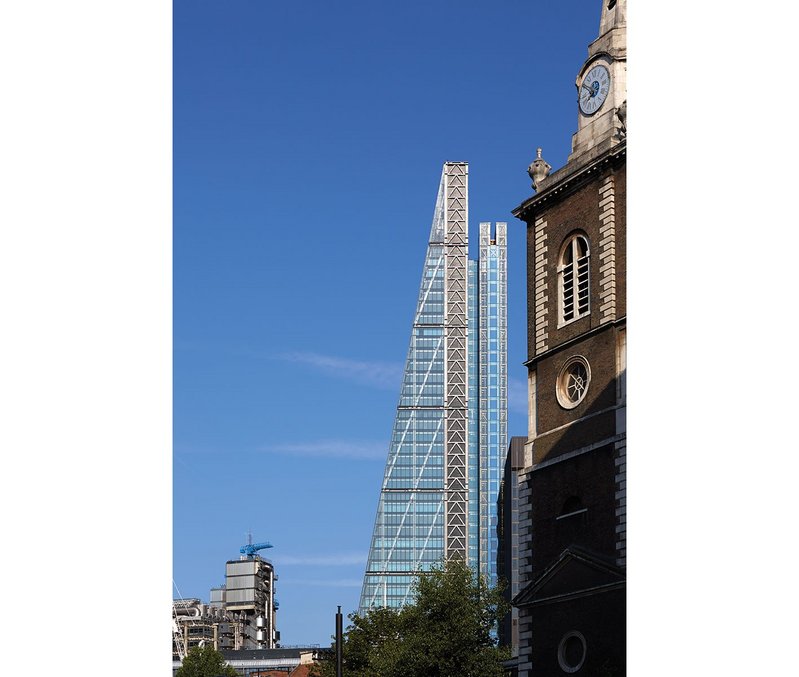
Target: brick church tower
(572, 495)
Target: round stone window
(573, 382)
(571, 652)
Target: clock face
(594, 89)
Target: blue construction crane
(251, 548)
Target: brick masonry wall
(550, 488)
(601, 619)
(597, 210)
(584, 424)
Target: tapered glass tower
(440, 486)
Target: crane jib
(252, 548)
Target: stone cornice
(567, 179)
(532, 361)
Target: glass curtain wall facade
(493, 388)
(440, 486)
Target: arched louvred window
(574, 279)
(571, 505)
(572, 513)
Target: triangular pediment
(575, 572)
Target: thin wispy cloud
(331, 560)
(368, 450)
(517, 395)
(386, 375)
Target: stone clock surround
(601, 130)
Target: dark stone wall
(600, 618)
(599, 350)
(589, 477)
(507, 536)
(505, 548)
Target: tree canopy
(445, 632)
(205, 662)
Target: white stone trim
(574, 266)
(541, 292)
(525, 642)
(571, 514)
(532, 414)
(607, 251)
(562, 649)
(621, 498)
(561, 385)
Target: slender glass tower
(440, 486)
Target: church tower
(572, 487)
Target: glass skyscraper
(449, 440)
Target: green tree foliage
(445, 632)
(205, 662)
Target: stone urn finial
(539, 169)
(621, 113)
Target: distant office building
(241, 614)
(249, 597)
(198, 624)
(508, 537)
(217, 597)
(447, 450)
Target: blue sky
(308, 145)
(86, 170)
